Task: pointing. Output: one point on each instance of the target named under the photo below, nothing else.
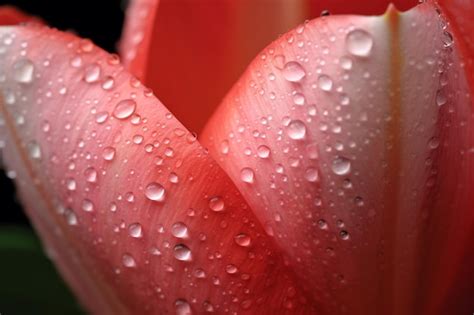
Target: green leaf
(29, 283)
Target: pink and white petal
(134, 212)
(351, 137)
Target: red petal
(200, 48)
(131, 208)
(11, 16)
(353, 140)
(366, 7)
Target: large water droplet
(311, 175)
(182, 253)
(91, 174)
(216, 204)
(296, 130)
(23, 71)
(87, 205)
(135, 230)
(108, 154)
(179, 230)
(293, 71)
(341, 166)
(155, 192)
(263, 151)
(359, 43)
(247, 175)
(124, 109)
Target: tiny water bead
(311, 175)
(296, 130)
(108, 153)
(179, 230)
(124, 109)
(135, 230)
(155, 192)
(325, 83)
(128, 261)
(23, 71)
(92, 73)
(34, 150)
(247, 175)
(341, 166)
(242, 240)
(216, 204)
(182, 252)
(359, 43)
(87, 205)
(182, 307)
(90, 174)
(263, 151)
(293, 71)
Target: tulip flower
(335, 177)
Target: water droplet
(87, 205)
(247, 175)
(341, 166)
(92, 73)
(299, 99)
(108, 83)
(441, 98)
(296, 130)
(263, 151)
(135, 230)
(433, 143)
(231, 269)
(108, 154)
(182, 307)
(71, 218)
(325, 83)
(155, 192)
(179, 230)
(359, 43)
(124, 109)
(346, 63)
(216, 204)
(293, 71)
(71, 184)
(344, 235)
(448, 39)
(128, 261)
(322, 224)
(34, 150)
(182, 253)
(23, 71)
(91, 174)
(311, 175)
(242, 240)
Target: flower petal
(352, 137)
(131, 208)
(199, 48)
(10, 16)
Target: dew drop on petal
(182, 252)
(124, 109)
(34, 150)
(216, 204)
(311, 175)
(92, 73)
(179, 230)
(247, 175)
(71, 218)
(91, 174)
(128, 261)
(242, 240)
(359, 43)
(325, 83)
(182, 307)
(87, 205)
(155, 192)
(135, 230)
(108, 154)
(23, 71)
(231, 269)
(341, 166)
(296, 129)
(293, 71)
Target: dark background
(99, 20)
(29, 283)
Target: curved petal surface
(352, 138)
(131, 208)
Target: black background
(99, 20)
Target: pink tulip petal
(131, 208)
(200, 48)
(138, 35)
(353, 140)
